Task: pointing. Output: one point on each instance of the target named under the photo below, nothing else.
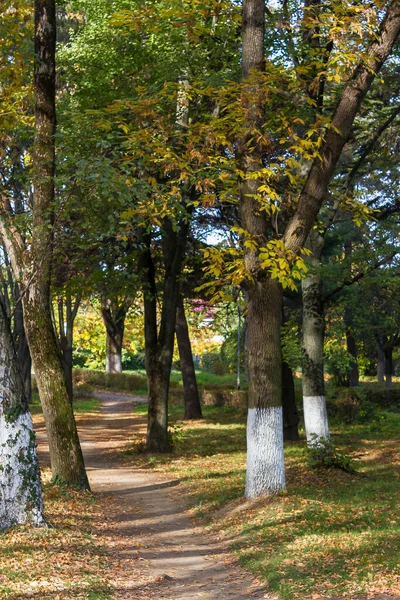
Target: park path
(156, 551)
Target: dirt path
(156, 551)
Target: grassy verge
(64, 561)
(331, 534)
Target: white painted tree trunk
(315, 419)
(265, 473)
(314, 404)
(20, 489)
(113, 361)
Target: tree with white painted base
(20, 489)
(314, 404)
(265, 469)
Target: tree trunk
(381, 365)
(113, 354)
(265, 462)
(34, 266)
(20, 488)
(65, 451)
(159, 343)
(314, 404)
(290, 412)
(190, 390)
(66, 337)
(354, 378)
(388, 366)
(114, 321)
(21, 344)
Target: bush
(383, 397)
(114, 381)
(322, 453)
(133, 362)
(225, 397)
(213, 363)
(351, 405)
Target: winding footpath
(156, 551)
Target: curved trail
(156, 550)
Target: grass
(65, 561)
(332, 533)
(81, 405)
(135, 381)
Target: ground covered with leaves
(332, 534)
(63, 561)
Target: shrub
(383, 397)
(322, 453)
(115, 381)
(132, 362)
(225, 397)
(351, 405)
(213, 363)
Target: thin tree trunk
(388, 366)
(354, 377)
(22, 347)
(114, 321)
(381, 364)
(348, 319)
(20, 488)
(190, 391)
(314, 403)
(66, 336)
(290, 412)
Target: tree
(32, 263)
(20, 488)
(191, 396)
(265, 470)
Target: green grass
(81, 405)
(332, 533)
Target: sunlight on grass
(332, 533)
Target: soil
(155, 549)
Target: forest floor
(153, 550)
(332, 536)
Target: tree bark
(190, 391)
(20, 488)
(314, 403)
(114, 321)
(290, 412)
